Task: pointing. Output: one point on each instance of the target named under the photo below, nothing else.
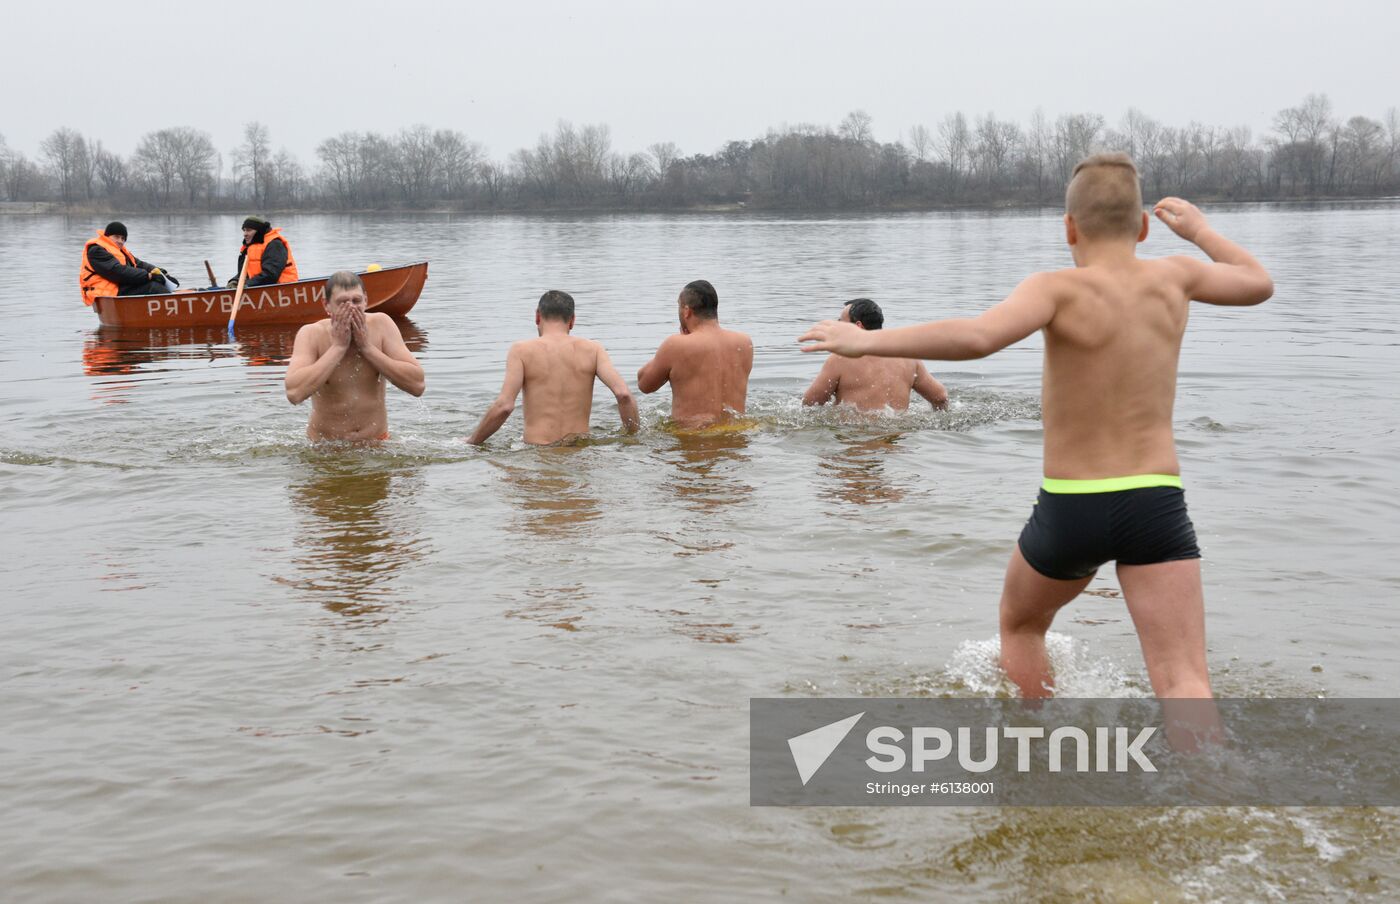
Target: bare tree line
(1310, 152)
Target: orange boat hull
(392, 291)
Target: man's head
(116, 231)
(864, 313)
(1104, 200)
(254, 228)
(344, 287)
(555, 307)
(698, 301)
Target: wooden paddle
(238, 296)
(213, 280)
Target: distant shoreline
(100, 211)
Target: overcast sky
(697, 74)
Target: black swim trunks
(1078, 525)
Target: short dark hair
(556, 305)
(701, 298)
(342, 279)
(867, 313)
(115, 228)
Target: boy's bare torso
(559, 375)
(350, 404)
(709, 375)
(1110, 369)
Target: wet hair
(342, 279)
(115, 228)
(867, 313)
(1105, 197)
(701, 298)
(556, 305)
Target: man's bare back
(342, 363)
(556, 372)
(707, 366)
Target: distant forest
(1310, 152)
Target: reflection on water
(856, 471)
(554, 497)
(704, 463)
(357, 532)
(109, 352)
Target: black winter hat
(115, 228)
(257, 223)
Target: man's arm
(501, 409)
(656, 372)
(1233, 278)
(103, 263)
(388, 354)
(824, 386)
(1029, 307)
(626, 404)
(926, 386)
(308, 371)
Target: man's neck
(552, 328)
(1104, 254)
(700, 324)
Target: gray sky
(697, 73)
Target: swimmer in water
(707, 366)
(872, 384)
(342, 363)
(1112, 492)
(556, 371)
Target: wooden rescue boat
(392, 291)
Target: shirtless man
(341, 364)
(557, 372)
(706, 365)
(1113, 325)
(872, 384)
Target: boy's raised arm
(1030, 306)
(1233, 278)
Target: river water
(237, 668)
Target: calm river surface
(236, 668)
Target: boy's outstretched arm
(1233, 278)
(501, 409)
(1030, 306)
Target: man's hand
(341, 328)
(845, 339)
(1181, 217)
(359, 332)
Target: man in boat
(870, 383)
(267, 253)
(109, 268)
(707, 366)
(556, 371)
(341, 364)
(1112, 490)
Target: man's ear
(571, 323)
(1071, 231)
(859, 325)
(537, 318)
(1142, 233)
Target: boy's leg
(1029, 601)
(1168, 610)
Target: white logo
(810, 750)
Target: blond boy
(1113, 325)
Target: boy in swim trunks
(341, 364)
(1113, 326)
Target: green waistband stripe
(1111, 484)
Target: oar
(237, 297)
(213, 281)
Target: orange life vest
(93, 284)
(255, 253)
